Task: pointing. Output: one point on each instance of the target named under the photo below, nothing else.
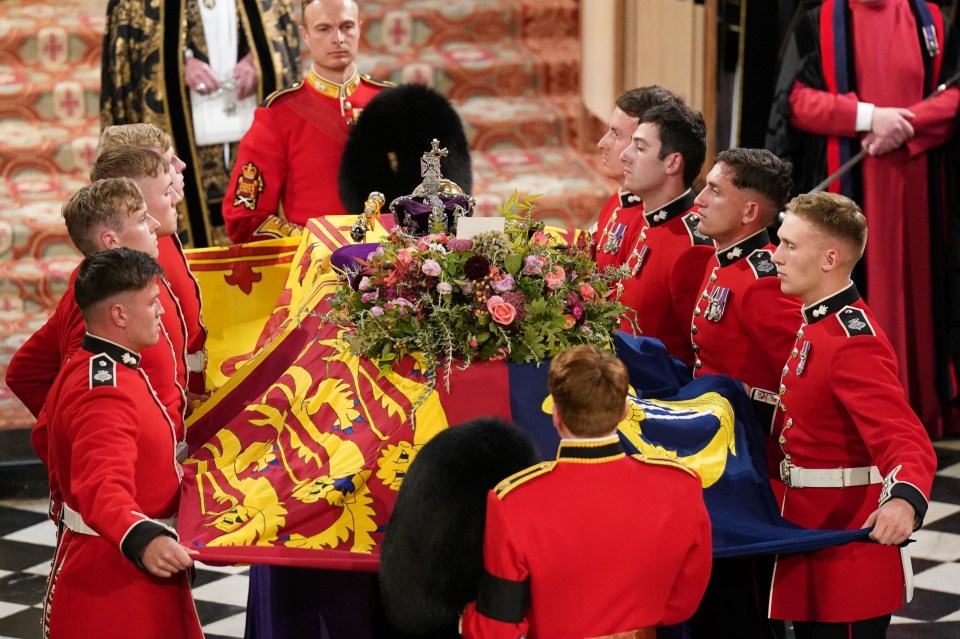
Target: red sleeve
(103, 444)
(502, 558)
(258, 178)
(935, 121)
(822, 112)
(898, 444)
(694, 571)
(771, 320)
(35, 365)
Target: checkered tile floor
(27, 539)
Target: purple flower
(577, 312)
(430, 268)
(364, 283)
(390, 292)
(516, 299)
(369, 297)
(533, 265)
(402, 301)
(444, 288)
(503, 285)
(467, 287)
(376, 311)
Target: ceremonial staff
(856, 159)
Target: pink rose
(504, 284)
(555, 278)
(405, 256)
(587, 292)
(541, 239)
(500, 311)
(376, 311)
(430, 268)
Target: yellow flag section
(239, 286)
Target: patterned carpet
(511, 67)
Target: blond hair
(129, 161)
(834, 215)
(141, 135)
(105, 204)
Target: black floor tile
(930, 605)
(22, 625)
(204, 577)
(12, 520)
(948, 630)
(947, 524)
(18, 555)
(919, 565)
(946, 489)
(210, 611)
(23, 589)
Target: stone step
(572, 192)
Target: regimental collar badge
(112, 351)
(332, 89)
(628, 199)
(671, 210)
(830, 305)
(744, 247)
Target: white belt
(197, 362)
(72, 520)
(796, 477)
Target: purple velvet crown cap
(345, 260)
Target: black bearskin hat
(392, 133)
(432, 554)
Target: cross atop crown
(430, 167)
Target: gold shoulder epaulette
(666, 461)
(523, 477)
(377, 83)
(296, 86)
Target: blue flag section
(708, 424)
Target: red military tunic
(35, 365)
(112, 455)
(617, 217)
(744, 326)
(844, 408)
(667, 259)
(290, 157)
(605, 543)
(186, 289)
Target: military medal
(612, 234)
(639, 254)
(719, 297)
(804, 354)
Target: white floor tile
(229, 627)
(41, 506)
(7, 608)
(949, 444)
(229, 590)
(942, 578)
(42, 569)
(4, 573)
(953, 616)
(43, 534)
(935, 546)
(950, 471)
(902, 620)
(939, 510)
